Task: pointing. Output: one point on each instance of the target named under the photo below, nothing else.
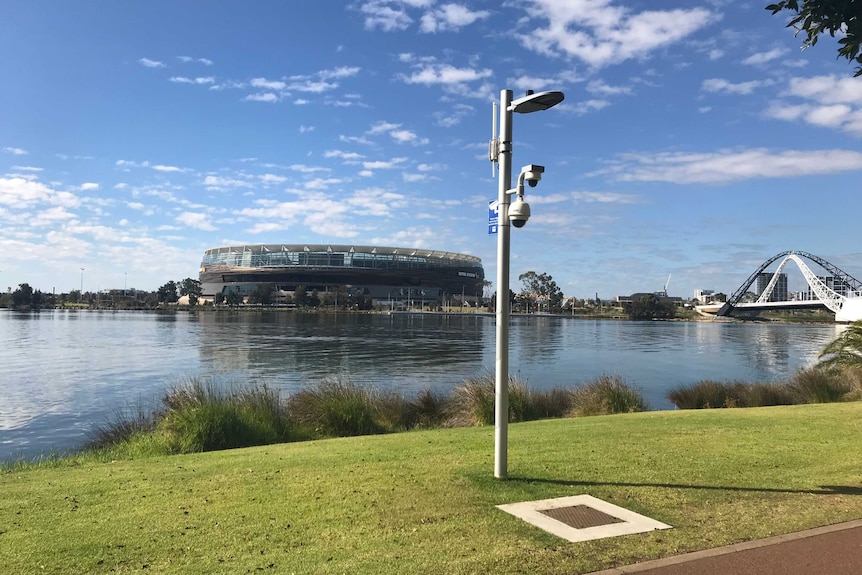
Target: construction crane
(663, 292)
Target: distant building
(703, 295)
(384, 273)
(779, 291)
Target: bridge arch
(846, 306)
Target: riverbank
(425, 501)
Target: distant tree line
(25, 297)
(539, 294)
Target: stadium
(386, 274)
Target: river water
(62, 372)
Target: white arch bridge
(839, 292)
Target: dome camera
(519, 212)
(533, 174)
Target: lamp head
(536, 102)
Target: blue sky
(695, 140)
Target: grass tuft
(606, 395)
(201, 416)
(336, 408)
(472, 402)
(818, 385)
(427, 411)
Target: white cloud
(384, 165)
(407, 137)
(302, 168)
(731, 165)
(150, 63)
(600, 32)
(268, 97)
(600, 87)
(126, 164)
(828, 101)
(376, 202)
(268, 84)
(322, 183)
(196, 220)
(354, 140)
(450, 17)
(51, 216)
(163, 168)
(382, 127)
(828, 89)
(743, 88)
(189, 59)
(88, 186)
(444, 74)
(453, 116)
(27, 168)
(764, 57)
(310, 85)
(586, 106)
(382, 14)
(15, 151)
(346, 156)
(199, 80)
(22, 193)
(272, 179)
(341, 72)
(218, 183)
(303, 129)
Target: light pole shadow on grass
(823, 490)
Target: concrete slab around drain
(581, 518)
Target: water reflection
(401, 350)
(62, 371)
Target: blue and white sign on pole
(493, 216)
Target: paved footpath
(831, 550)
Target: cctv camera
(533, 173)
(519, 212)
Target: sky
(696, 139)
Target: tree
(845, 350)
(192, 288)
(832, 16)
(492, 304)
(651, 306)
(233, 298)
(262, 294)
(541, 287)
(300, 296)
(168, 293)
(23, 296)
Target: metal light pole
(529, 103)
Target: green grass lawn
(423, 502)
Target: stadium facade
(385, 273)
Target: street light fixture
(501, 152)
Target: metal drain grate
(580, 516)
